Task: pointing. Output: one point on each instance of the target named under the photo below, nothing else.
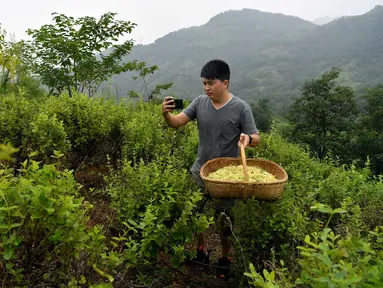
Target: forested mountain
(271, 55)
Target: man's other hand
(244, 140)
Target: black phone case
(179, 104)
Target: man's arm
(256, 140)
(174, 121)
(249, 129)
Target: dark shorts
(222, 207)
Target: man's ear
(226, 83)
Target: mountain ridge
(271, 54)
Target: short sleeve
(247, 121)
(191, 110)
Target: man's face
(214, 89)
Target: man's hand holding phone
(169, 104)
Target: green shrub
(44, 232)
(48, 135)
(90, 124)
(150, 190)
(328, 259)
(267, 228)
(147, 136)
(16, 114)
(42, 221)
(156, 209)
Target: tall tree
(2, 53)
(323, 115)
(2, 37)
(143, 73)
(11, 61)
(263, 116)
(370, 130)
(81, 53)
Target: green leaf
(252, 269)
(324, 279)
(355, 279)
(265, 273)
(325, 259)
(102, 273)
(4, 226)
(17, 213)
(9, 227)
(50, 210)
(6, 151)
(42, 198)
(147, 253)
(14, 225)
(7, 255)
(17, 241)
(339, 211)
(322, 208)
(323, 247)
(8, 208)
(271, 276)
(132, 222)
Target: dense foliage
(371, 128)
(324, 115)
(150, 202)
(276, 231)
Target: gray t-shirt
(219, 129)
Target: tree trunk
(70, 91)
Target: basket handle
(244, 163)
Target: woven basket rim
(234, 159)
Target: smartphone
(179, 103)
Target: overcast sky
(156, 18)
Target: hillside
(270, 54)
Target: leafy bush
(147, 136)
(42, 223)
(330, 260)
(48, 135)
(149, 189)
(16, 114)
(45, 234)
(88, 130)
(92, 125)
(269, 229)
(156, 206)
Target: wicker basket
(242, 189)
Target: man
(224, 123)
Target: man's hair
(216, 69)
